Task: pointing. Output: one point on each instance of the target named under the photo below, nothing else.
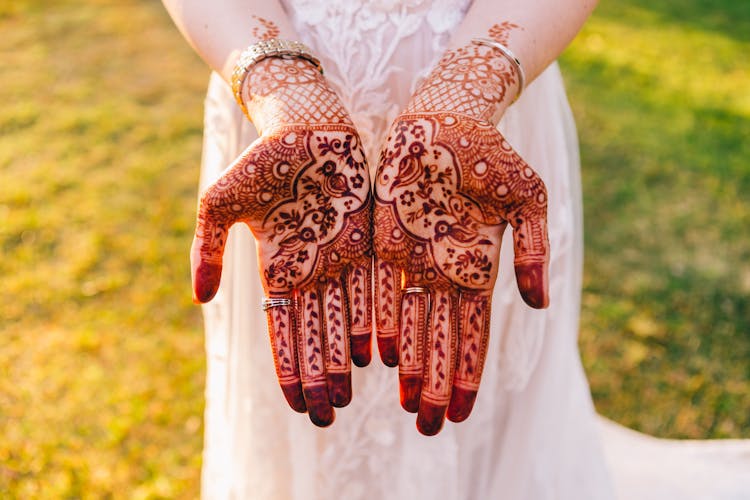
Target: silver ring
(268, 303)
(414, 289)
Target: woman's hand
(447, 186)
(303, 189)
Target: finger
(473, 335)
(531, 247)
(360, 311)
(311, 358)
(282, 332)
(439, 363)
(387, 305)
(337, 358)
(412, 328)
(207, 251)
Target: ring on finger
(414, 289)
(269, 302)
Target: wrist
(262, 50)
(284, 91)
(475, 80)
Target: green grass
(661, 91)
(101, 362)
(101, 359)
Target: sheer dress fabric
(532, 433)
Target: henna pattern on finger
(414, 310)
(337, 354)
(360, 312)
(281, 330)
(474, 334)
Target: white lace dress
(533, 432)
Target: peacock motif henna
(303, 190)
(447, 186)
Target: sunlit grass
(101, 359)
(662, 102)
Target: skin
(303, 190)
(447, 186)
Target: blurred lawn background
(101, 354)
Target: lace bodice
(375, 62)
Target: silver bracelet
(508, 55)
(275, 47)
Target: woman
(531, 431)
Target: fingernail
(462, 401)
(339, 389)
(361, 349)
(388, 350)
(293, 395)
(430, 418)
(207, 279)
(532, 283)
(318, 407)
(410, 389)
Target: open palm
(446, 188)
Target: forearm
(537, 31)
(220, 29)
(481, 80)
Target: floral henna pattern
(303, 190)
(500, 32)
(264, 29)
(446, 188)
(473, 80)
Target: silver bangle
(508, 55)
(275, 47)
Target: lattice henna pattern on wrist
(283, 91)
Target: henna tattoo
(303, 189)
(473, 80)
(414, 309)
(468, 184)
(280, 91)
(388, 285)
(447, 186)
(500, 32)
(264, 29)
(360, 312)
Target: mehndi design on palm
(447, 186)
(303, 189)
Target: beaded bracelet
(274, 47)
(508, 55)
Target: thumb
(207, 251)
